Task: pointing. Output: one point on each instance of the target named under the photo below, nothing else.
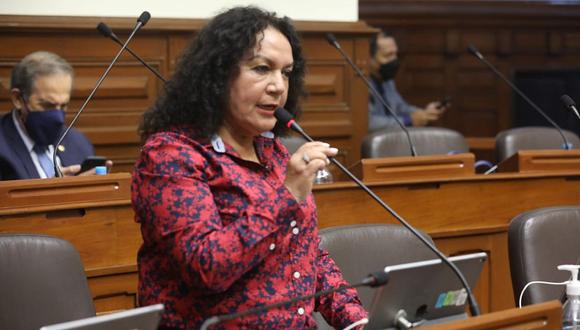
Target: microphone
(373, 280)
(141, 21)
(106, 31)
(472, 50)
(333, 42)
(570, 104)
(286, 118)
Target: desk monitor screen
(427, 291)
(143, 318)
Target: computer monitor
(142, 318)
(426, 291)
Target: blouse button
(301, 311)
(272, 247)
(296, 275)
(295, 231)
(293, 224)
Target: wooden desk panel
(444, 206)
(544, 316)
(463, 214)
(95, 215)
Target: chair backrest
(540, 240)
(292, 143)
(42, 281)
(508, 142)
(427, 140)
(359, 250)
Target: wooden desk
(95, 215)
(463, 214)
(544, 316)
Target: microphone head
(473, 50)
(332, 40)
(567, 100)
(105, 30)
(284, 117)
(144, 18)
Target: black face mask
(389, 70)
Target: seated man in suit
(384, 64)
(40, 92)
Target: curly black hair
(198, 92)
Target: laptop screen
(425, 291)
(143, 318)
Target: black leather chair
(539, 241)
(508, 142)
(359, 250)
(42, 282)
(427, 140)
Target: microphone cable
(106, 31)
(285, 118)
(334, 43)
(141, 21)
(473, 50)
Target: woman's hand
(303, 165)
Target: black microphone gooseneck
(106, 31)
(570, 104)
(471, 49)
(286, 118)
(373, 280)
(333, 42)
(141, 21)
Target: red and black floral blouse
(223, 235)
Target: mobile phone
(445, 102)
(91, 162)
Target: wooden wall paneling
(178, 42)
(336, 107)
(572, 41)
(335, 111)
(359, 96)
(6, 66)
(514, 35)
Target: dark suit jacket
(15, 160)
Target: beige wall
(319, 10)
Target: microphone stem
(99, 82)
(576, 112)
(377, 97)
(473, 306)
(530, 102)
(155, 72)
(147, 65)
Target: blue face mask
(45, 126)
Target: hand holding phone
(92, 162)
(444, 103)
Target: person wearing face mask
(384, 64)
(40, 91)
